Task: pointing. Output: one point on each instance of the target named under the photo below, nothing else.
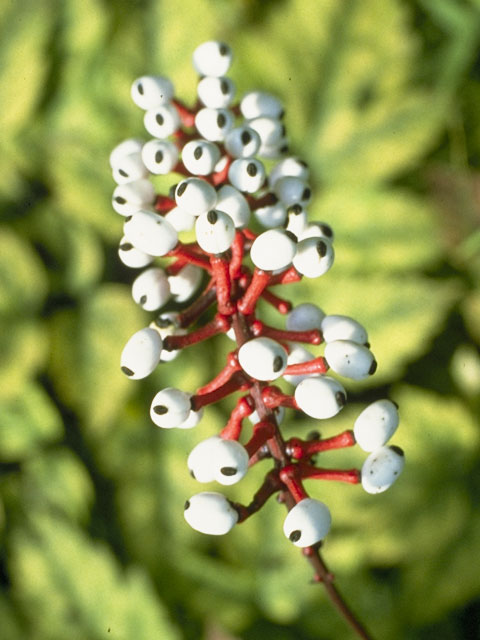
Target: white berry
(185, 283)
(214, 231)
(129, 198)
(350, 359)
(273, 249)
(320, 397)
(163, 121)
(151, 233)
(195, 196)
(382, 468)
(130, 168)
(376, 424)
(216, 92)
(337, 327)
(247, 174)
(307, 522)
(260, 103)
(151, 91)
(170, 407)
(292, 190)
(304, 317)
(242, 142)
(131, 256)
(212, 58)
(141, 354)
(288, 167)
(123, 149)
(262, 358)
(211, 513)
(314, 257)
(200, 157)
(214, 124)
(231, 201)
(160, 156)
(151, 289)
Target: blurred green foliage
(382, 99)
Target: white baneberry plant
(222, 147)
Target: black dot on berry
(295, 535)
(160, 119)
(128, 218)
(284, 149)
(277, 363)
(306, 193)
(291, 235)
(395, 404)
(326, 230)
(127, 371)
(140, 88)
(245, 137)
(158, 156)
(224, 87)
(186, 505)
(160, 409)
(283, 130)
(303, 163)
(212, 216)
(295, 209)
(397, 450)
(120, 200)
(321, 248)
(143, 299)
(223, 48)
(221, 120)
(163, 323)
(367, 344)
(197, 154)
(123, 173)
(281, 114)
(228, 471)
(251, 169)
(181, 188)
(341, 399)
(126, 246)
(193, 475)
(373, 367)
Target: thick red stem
(313, 336)
(288, 276)
(263, 201)
(281, 305)
(220, 324)
(262, 432)
(351, 476)
(233, 429)
(237, 250)
(236, 383)
(299, 449)
(190, 255)
(273, 397)
(260, 280)
(291, 478)
(225, 374)
(199, 306)
(187, 116)
(270, 485)
(312, 367)
(164, 204)
(221, 273)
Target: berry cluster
(221, 149)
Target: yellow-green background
(383, 101)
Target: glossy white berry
(125, 148)
(242, 142)
(192, 420)
(262, 358)
(199, 461)
(214, 124)
(231, 201)
(129, 198)
(314, 257)
(225, 461)
(141, 354)
(247, 174)
(272, 215)
(216, 92)
(149, 92)
(317, 229)
(382, 468)
(163, 121)
(170, 407)
(166, 324)
(131, 256)
(200, 157)
(320, 397)
(288, 167)
(159, 156)
(337, 327)
(270, 130)
(211, 513)
(296, 219)
(214, 231)
(184, 284)
(195, 196)
(273, 151)
(349, 359)
(376, 425)
(130, 168)
(180, 220)
(151, 233)
(273, 249)
(307, 522)
(297, 354)
(292, 190)
(304, 317)
(151, 289)
(259, 103)
(212, 58)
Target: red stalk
(260, 280)
(220, 324)
(221, 273)
(233, 429)
(299, 449)
(236, 383)
(312, 336)
(312, 367)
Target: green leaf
(378, 230)
(26, 29)
(22, 276)
(23, 346)
(28, 421)
(57, 479)
(89, 343)
(70, 586)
